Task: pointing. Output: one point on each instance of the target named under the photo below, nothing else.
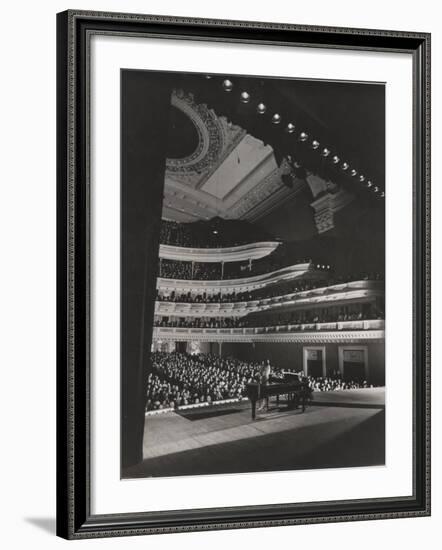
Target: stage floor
(340, 429)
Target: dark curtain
(145, 106)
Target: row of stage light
(290, 128)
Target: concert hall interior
(253, 320)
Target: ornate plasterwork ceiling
(217, 137)
(230, 174)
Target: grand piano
(297, 391)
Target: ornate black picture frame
(74, 517)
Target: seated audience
(178, 379)
(334, 384)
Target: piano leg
(253, 409)
(291, 401)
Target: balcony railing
(244, 252)
(376, 326)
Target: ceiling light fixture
(227, 85)
(290, 128)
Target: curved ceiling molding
(216, 138)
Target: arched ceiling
(215, 168)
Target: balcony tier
(345, 293)
(342, 331)
(243, 284)
(244, 252)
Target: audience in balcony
(197, 322)
(295, 320)
(272, 291)
(214, 233)
(172, 269)
(204, 298)
(298, 285)
(209, 271)
(300, 318)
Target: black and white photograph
(252, 274)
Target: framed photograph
(243, 274)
